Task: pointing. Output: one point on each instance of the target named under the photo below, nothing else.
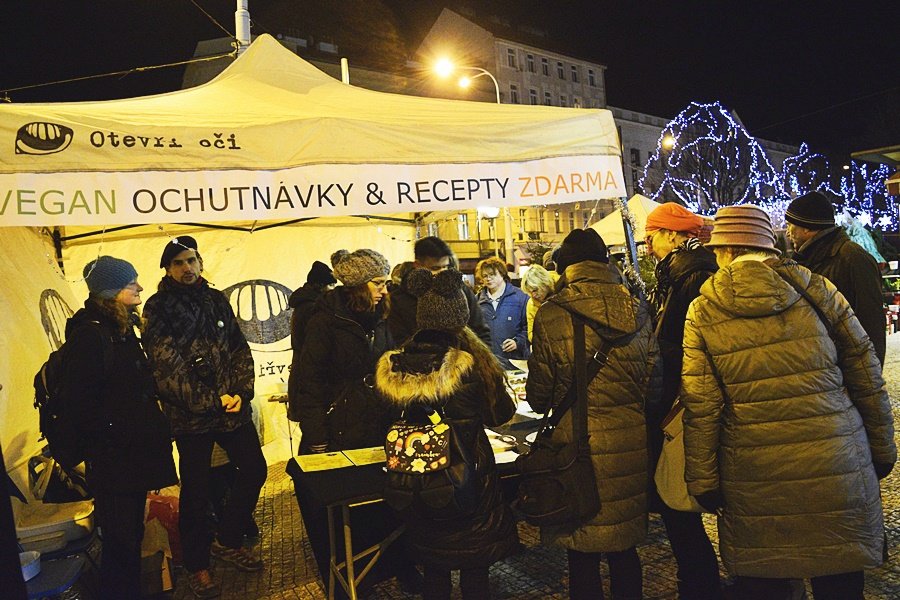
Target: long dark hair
(487, 367)
(359, 298)
(124, 317)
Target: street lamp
(491, 213)
(445, 67)
(668, 142)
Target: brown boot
(203, 585)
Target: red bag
(165, 508)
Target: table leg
(348, 550)
(331, 553)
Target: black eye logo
(43, 138)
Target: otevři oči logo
(40, 138)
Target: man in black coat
(684, 265)
(434, 254)
(205, 376)
(825, 249)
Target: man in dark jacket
(205, 375)
(825, 249)
(434, 254)
(684, 265)
(319, 280)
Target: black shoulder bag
(557, 486)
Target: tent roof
(299, 115)
(611, 228)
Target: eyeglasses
(648, 239)
(379, 284)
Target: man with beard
(205, 375)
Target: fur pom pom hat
(359, 267)
(442, 303)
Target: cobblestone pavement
(535, 573)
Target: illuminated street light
(445, 67)
(668, 142)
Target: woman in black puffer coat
(445, 366)
(128, 446)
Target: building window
(529, 61)
(563, 100)
(541, 223)
(574, 74)
(556, 224)
(522, 214)
(571, 220)
(532, 96)
(548, 98)
(585, 219)
(545, 67)
(462, 226)
(576, 102)
(635, 157)
(591, 81)
(513, 93)
(560, 71)
(433, 229)
(511, 57)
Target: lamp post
(445, 67)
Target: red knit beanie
(674, 217)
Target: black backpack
(65, 442)
(445, 485)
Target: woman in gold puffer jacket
(786, 428)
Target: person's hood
(304, 294)
(752, 288)
(91, 313)
(595, 292)
(425, 371)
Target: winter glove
(882, 470)
(711, 501)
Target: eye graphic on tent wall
(261, 307)
(43, 138)
(54, 314)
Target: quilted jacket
(616, 397)
(198, 353)
(785, 422)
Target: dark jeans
(698, 568)
(625, 577)
(843, 586)
(195, 452)
(473, 583)
(121, 517)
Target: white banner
(112, 198)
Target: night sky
(820, 72)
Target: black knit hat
(442, 303)
(176, 246)
(812, 211)
(320, 273)
(581, 245)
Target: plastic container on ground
(38, 525)
(31, 564)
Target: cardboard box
(156, 574)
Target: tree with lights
(706, 159)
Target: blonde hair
(492, 264)
(537, 279)
(118, 312)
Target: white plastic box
(49, 527)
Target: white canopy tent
(611, 227)
(271, 139)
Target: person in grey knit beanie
(442, 303)
(359, 267)
(106, 276)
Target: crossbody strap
(800, 290)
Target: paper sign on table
(322, 462)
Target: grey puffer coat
(785, 423)
(190, 324)
(616, 397)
